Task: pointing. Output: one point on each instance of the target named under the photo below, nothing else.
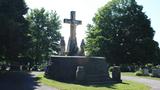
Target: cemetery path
(154, 84)
(42, 86)
(21, 81)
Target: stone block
(116, 74)
(145, 71)
(78, 68)
(156, 72)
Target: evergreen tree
(13, 29)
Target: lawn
(133, 74)
(126, 85)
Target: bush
(111, 68)
(157, 66)
(139, 73)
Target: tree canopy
(13, 29)
(45, 34)
(122, 33)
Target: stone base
(78, 69)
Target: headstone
(80, 74)
(72, 48)
(156, 72)
(116, 74)
(62, 47)
(145, 71)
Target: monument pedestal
(64, 68)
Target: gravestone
(72, 48)
(116, 74)
(80, 73)
(156, 72)
(145, 71)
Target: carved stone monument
(72, 48)
(79, 69)
(62, 47)
(81, 52)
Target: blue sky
(152, 10)
(85, 10)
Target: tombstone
(145, 71)
(72, 48)
(80, 73)
(62, 47)
(156, 72)
(116, 74)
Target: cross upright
(73, 23)
(72, 48)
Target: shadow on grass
(17, 80)
(109, 84)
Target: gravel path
(154, 84)
(21, 81)
(42, 86)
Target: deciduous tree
(122, 33)
(44, 30)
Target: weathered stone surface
(72, 48)
(80, 74)
(81, 52)
(65, 69)
(116, 74)
(156, 72)
(145, 71)
(62, 47)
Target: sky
(85, 11)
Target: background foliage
(122, 33)
(45, 34)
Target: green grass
(126, 85)
(133, 74)
(128, 74)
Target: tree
(122, 33)
(44, 30)
(13, 29)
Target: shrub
(158, 67)
(139, 73)
(111, 68)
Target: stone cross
(73, 23)
(72, 48)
